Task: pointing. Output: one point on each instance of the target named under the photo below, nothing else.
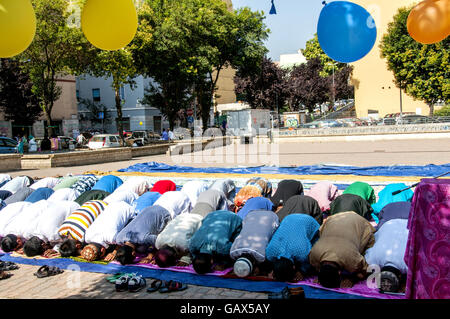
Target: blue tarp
(393, 170)
(193, 279)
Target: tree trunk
(48, 118)
(431, 105)
(119, 114)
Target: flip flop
(4, 275)
(136, 283)
(283, 294)
(8, 265)
(42, 272)
(47, 271)
(122, 282)
(112, 279)
(173, 286)
(156, 285)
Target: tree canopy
(184, 45)
(267, 89)
(17, 100)
(420, 70)
(57, 50)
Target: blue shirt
(216, 234)
(42, 193)
(255, 203)
(146, 200)
(293, 239)
(385, 196)
(165, 136)
(145, 227)
(108, 183)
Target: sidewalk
(85, 285)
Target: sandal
(173, 286)
(283, 294)
(47, 271)
(4, 275)
(8, 265)
(156, 285)
(136, 283)
(122, 282)
(112, 279)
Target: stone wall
(149, 150)
(10, 162)
(366, 130)
(199, 145)
(75, 158)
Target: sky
(293, 25)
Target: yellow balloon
(17, 26)
(140, 123)
(429, 21)
(109, 24)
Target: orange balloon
(429, 21)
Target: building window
(122, 93)
(78, 95)
(96, 95)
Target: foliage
(185, 44)
(307, 87)
(420, 70)
(95, 109)
(120, 66)
(313, 50)
(267, 90)
(445, 111)
(56, 50)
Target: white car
(104, 141)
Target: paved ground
(85, 285)
(357, 153)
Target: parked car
(104, 141)
(8, 145)
(141, 138)
(66, 142)
(313, 124)
(393, 118)
(415, 119)
(330, 123)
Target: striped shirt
(79, 221)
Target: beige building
(225, 85)
(375, 91)
(64, 114)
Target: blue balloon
(346, 31)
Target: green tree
(266, 90)
(119, 66)
(445, 111)
(420, 70)
(329, 68)
(313, 50)
(56, 50)
(185, 45)
(160, 50)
